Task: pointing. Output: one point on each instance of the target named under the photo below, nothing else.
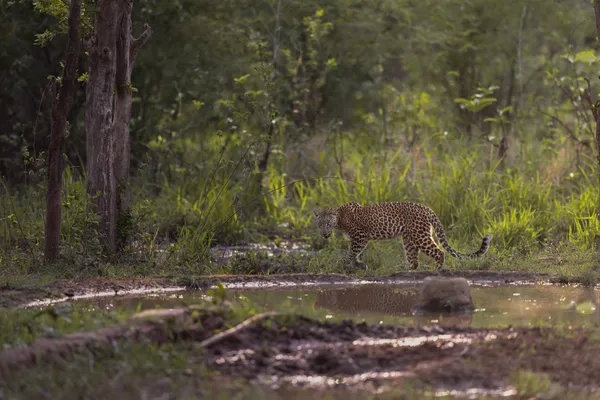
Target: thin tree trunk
(596, 115)
(123, 108)
(254, 188)
(264, 162)
(60, 113)
(597, 10)
(112, 56)
(127, 51)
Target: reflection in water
(390, 300)
(386, 300)
(391, 304)
(528, 306)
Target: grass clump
(21, 327)
(535, 385)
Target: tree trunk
(60, 113)
(127, 51)
(597, 10)
(502, 150)
(597, 117)
(112, 56)
(254, 202)
(101, 183)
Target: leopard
(415, 223)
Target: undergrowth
(182, 208)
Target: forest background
(247, 115)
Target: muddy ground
(314, 354)
(297, 353)
(18, 296)
(293, 354)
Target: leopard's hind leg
(431, 248)
(412, 254)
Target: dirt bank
(283, 351)
(16, 296)
(327, 355)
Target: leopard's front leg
(358, 244)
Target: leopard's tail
(441, 235)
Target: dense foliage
(248, 114)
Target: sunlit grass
(182, 207)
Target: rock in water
(448, 295)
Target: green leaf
(586, 56)
(480, 104)
(241, 79)
(83, 77)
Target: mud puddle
(331, 353)
(62, 290)
(391, 304)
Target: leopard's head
(326, 221)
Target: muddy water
(499, 306)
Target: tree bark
(101, 183)
(60, 112)
(109, 95)
(127, 50)
(597, 117)
(596, 114)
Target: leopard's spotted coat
(411, 221)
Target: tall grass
(473, 196)
(188, 198)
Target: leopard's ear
(317, 212)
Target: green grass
(181, 207)
(134, 371)
(537, 385)
(20, 327)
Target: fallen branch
(236, 329)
